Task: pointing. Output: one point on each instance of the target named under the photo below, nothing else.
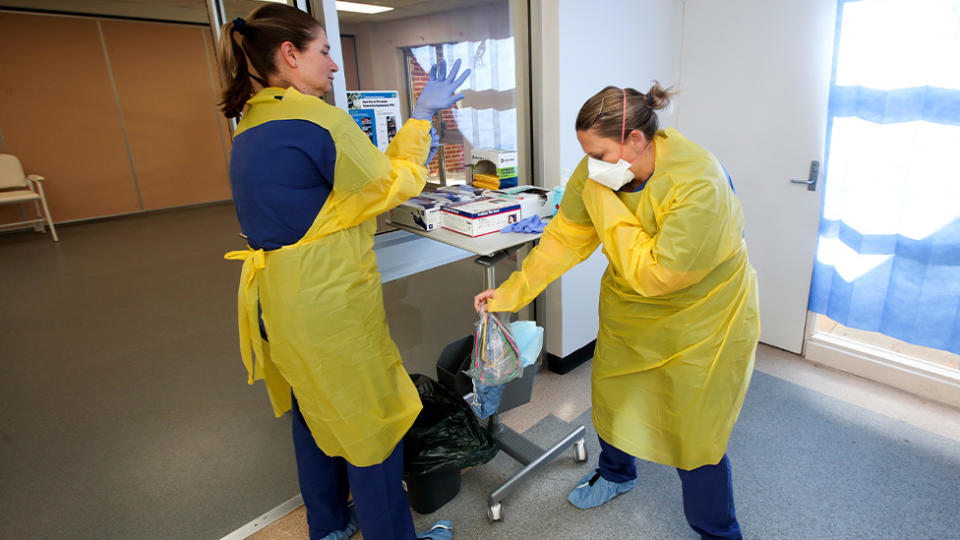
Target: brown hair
(253, 42)
(604, 112)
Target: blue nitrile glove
(438, 94)
(434, 145)
(532, 224)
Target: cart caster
(580, 451)
(495, 512)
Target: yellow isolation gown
(321, 296)
(679, 316)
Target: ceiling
(409, 8)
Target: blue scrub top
(281, 173)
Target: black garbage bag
(446, 434)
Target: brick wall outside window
(454, 153)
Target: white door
(754, 81)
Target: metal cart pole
(514, 444)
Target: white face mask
(613, 175)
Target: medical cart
(491, 249)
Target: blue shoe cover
(352, 526)
(441, 530)
(594, 490)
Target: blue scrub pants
(326, 483)
(707, 492)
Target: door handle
(814, 174)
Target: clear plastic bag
(496, 358)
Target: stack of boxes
(490, 204)
(473, 212)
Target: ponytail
(234, 72)
(657, 97)
(247, 47)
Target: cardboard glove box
(482, 216)
(420, 212)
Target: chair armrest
(35, 178)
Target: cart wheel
(495, 512)
(580, 451)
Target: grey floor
(125, 413)
(805, 466)
(124, 408)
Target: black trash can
(445, 438)
(455, 360)
(428, 492)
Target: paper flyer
(377, 113)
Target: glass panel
(394, 51)
(487, 117)
(911, 192)
(886, 260)
(887, 45)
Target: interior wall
(631, 44)
(349, 68)
(181, 11)
(119, 116)
(165, 91)
(59, 116)
(625, 43)
(194, 11)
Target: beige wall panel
(59, 116)
(169, 109)
(10, 213)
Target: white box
(534, 201)
(483, 216)
(496, 162)
(419, 212)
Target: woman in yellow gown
(308, 185)
(678, 304)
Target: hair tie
(240, 25)
(646, 97)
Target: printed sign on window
(377, 113)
